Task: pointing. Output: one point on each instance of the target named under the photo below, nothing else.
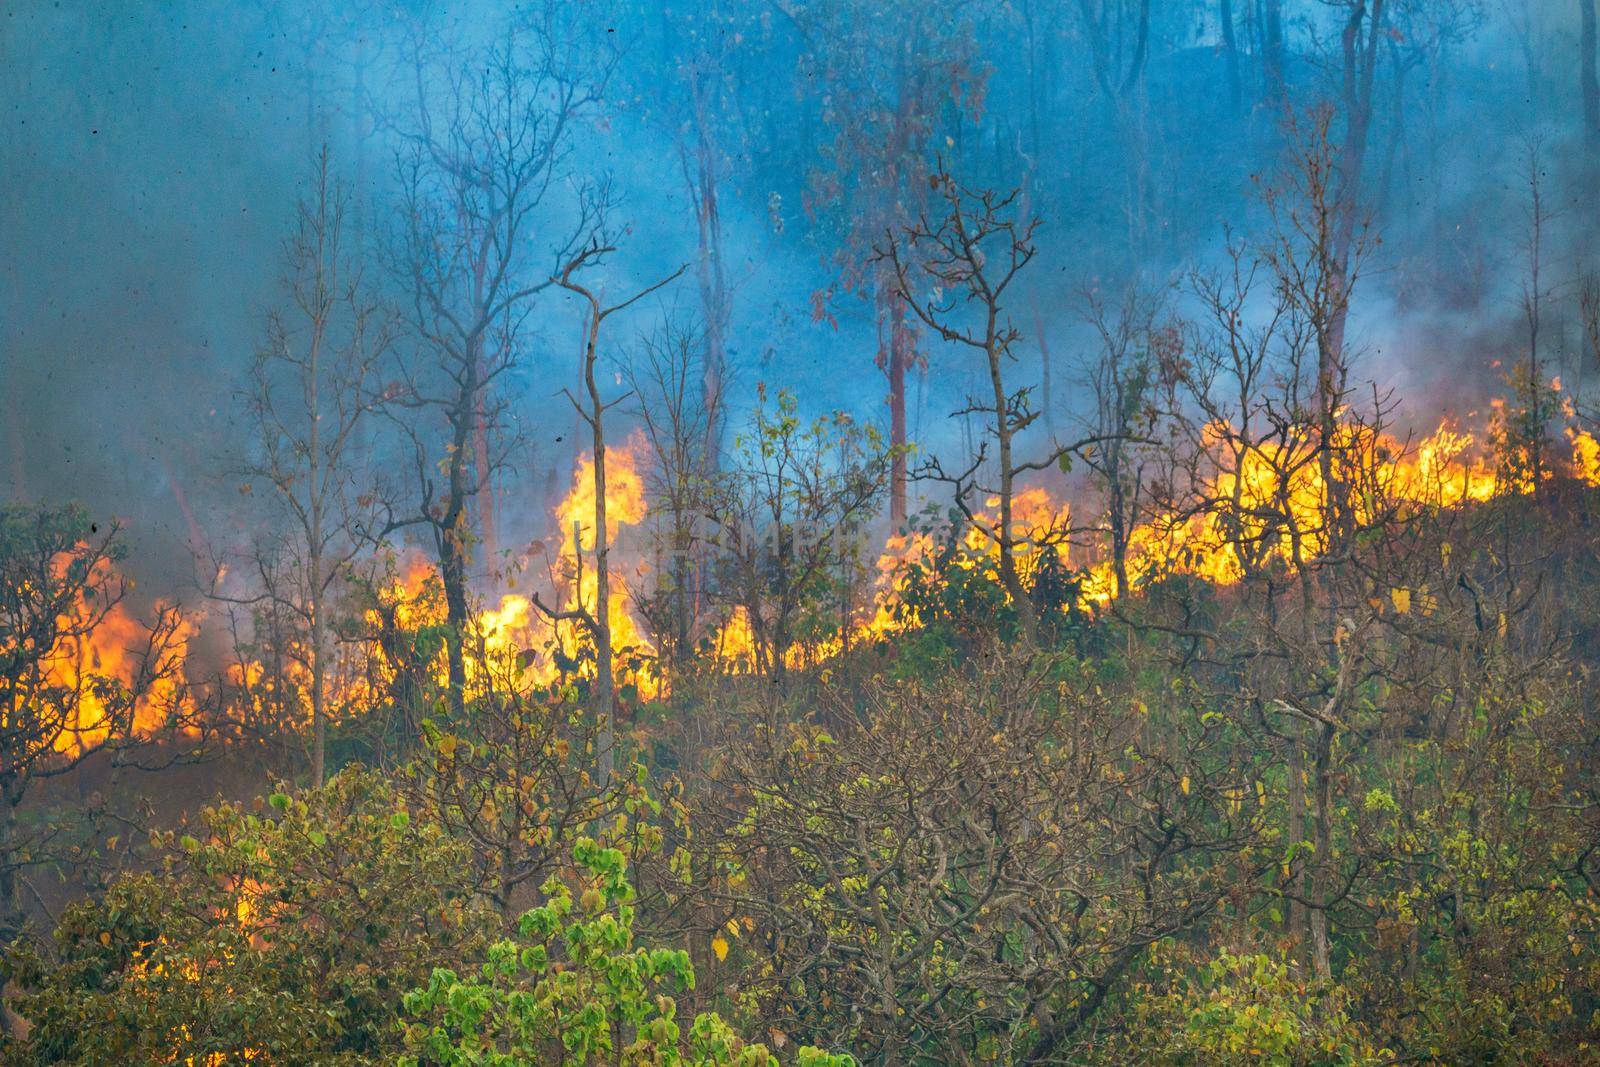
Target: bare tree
(1135, 356)
(483, 152)
(310, 401)
(591, 408)
(954, 274)
(1331, 167)
(1319, 245)
(1521, 425)
(676, 411)
(703, 160)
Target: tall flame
(575, 526)
(112, 646)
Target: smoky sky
(151, 154)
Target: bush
(287, 936)
(573, 989)
(1247, 1009)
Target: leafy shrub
(573, 989)
(1248, 1009)
(282, 937)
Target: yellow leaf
(1402, 598)
(1183, 784)
(719, 945)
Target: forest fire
(1268, 501)
(1234, 524)
(806, 534)
(1227, 531)
(1261, 504)
(118, 674)
(575, 573)
(514, 637)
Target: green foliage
(1485, 944)
(513, 779)
(1248, 1009)
(572, 988)
(954, 595)
(286, 937)
(788, 516)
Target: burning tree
(283, 935)
(483, 154)
(80, 679)
(785, 519)
(1131, 381)
(678, 413)
(592, 409)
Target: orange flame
(110, 658)
(1255, 493)
(511, 631)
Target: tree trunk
(1009, 577)
(1297, 917)
(1358, 78)
(1272, 52)
(1230, 50)
(452, 543)
(605, 694)
(1118, 517)
(314, 545)
(895, 361)
(605, 701)
(482, 471)
(1322, 844)
(700, 173)
(1590, 83)
(319, 711)
(10, 911)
